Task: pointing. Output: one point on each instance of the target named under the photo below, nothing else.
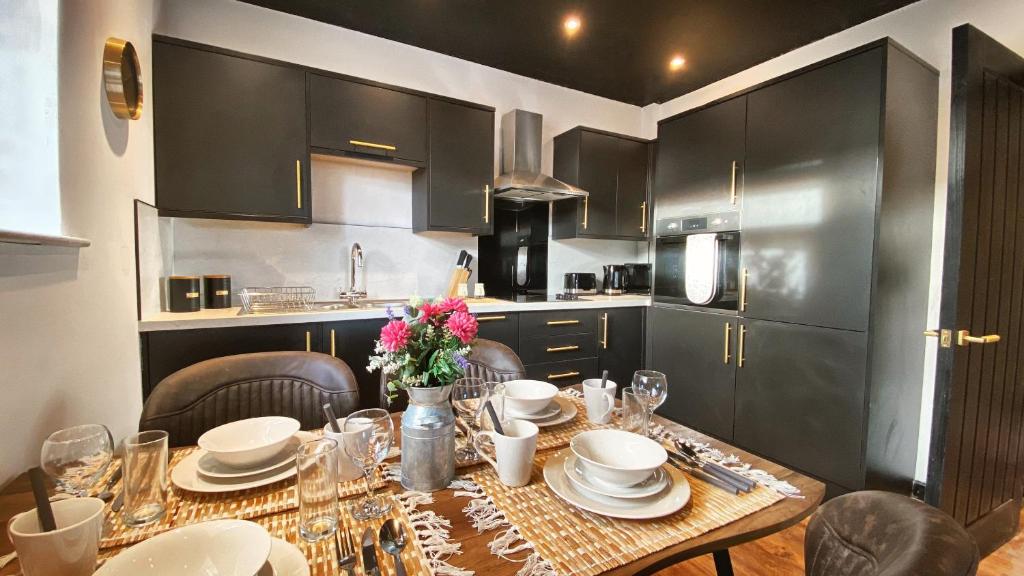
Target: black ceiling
(623, 47)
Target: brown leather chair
(489, 360)
(884, 534)
(221, 390)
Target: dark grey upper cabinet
(800, 398)
(620, 343)
(697, 353)
(613, 169)
(809, 196)
(229, 136)
(700, 160)
(454, 191)
(366, 120)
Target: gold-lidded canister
(217, 291)
(183, 293)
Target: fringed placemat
(562, 539)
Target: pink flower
(463, 325)
(429, 310)
(395, 335)
(453, 305)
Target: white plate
(214, 548)
(567, 413)
(550, 411)
(668, 501)
(287, 560)
(656, 483)
(186, 475)
(213, 468)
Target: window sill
(12, 237)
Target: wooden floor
(783, 553)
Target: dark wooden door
(229, 136)
(800, 397)
(976, 469)
(632, 207)
(697, 353)
(620, 343)
(599, 163)
(700, 160)
(353, 341)
(809, 192)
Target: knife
(369, 554)
(746, 484)
(106, 494)
(693, 468)
(702, 475)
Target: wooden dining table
(17, 497)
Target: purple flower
(407, 310)
(460, 360)
(390, 313)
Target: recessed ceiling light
(572, 25)
(676, 62)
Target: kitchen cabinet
(697, 353)
(614, 170)
(229, 136)
(167, 351)
(800, 398)
(367, 120)
(353, 342)
(620, 344)
(700, 158)
(500, 327)
(454, 191)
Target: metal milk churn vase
(428, 440)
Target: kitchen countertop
(228, 317)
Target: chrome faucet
(355, 263)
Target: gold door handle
(643, 216)
(561, 375)
(963, 338)
(743, 290)
(562, 322)
(365, 144)
(604, 342)
(728, 333)
(308, 336)
(490, 318)
(586, 209)
(732, 183)
(332, 342)
(739, 352)
(945, 336)
(562, 348)
(298, 184)
(487, 203)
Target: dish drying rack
(277, 299)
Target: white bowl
(616, 457)
(528, 396)
(215, 548)
(246, 443)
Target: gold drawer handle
(726, 356)
(562, 322)
(364, 144)
(562, 375)
(490, 318)
(487, 203)
(643, 217)
(298, 184)
(743, 289)
(308, 336)
(563, 348)
(604, 341)
(332, 342)
(740, 356)
(732, 183)
(963, 338)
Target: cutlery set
(392, 541)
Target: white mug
(600, 401)
(70, 550)
(513, 451)
(347, 469)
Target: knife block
(459, 276)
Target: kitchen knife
(369, 554)
(461, 262)
(469, 260)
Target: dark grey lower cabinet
(697, 353)
(620, 347)
(499, 326)
(800, 398)
(352, 341)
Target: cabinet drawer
(501, 327)
(558, 348)
(556, 323)
(564, 373)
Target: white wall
(67, 316)
(925, 28)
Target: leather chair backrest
(221, 390)
(492, 361)
(884, 534)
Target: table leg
(723, 563)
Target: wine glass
(651, 389)
(368, 437)
(77, 457)
(469, 395)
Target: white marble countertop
(227, 317)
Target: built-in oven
(696, 260)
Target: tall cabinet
(821, 367)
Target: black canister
(217, 291)
(184, 293)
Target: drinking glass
(144, 479)
(468, 397)
(77, 457)
(496, 396)
(368, 437)
(317, 465)
(651, 389)
(633, 412)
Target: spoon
(392, 540)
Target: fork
(346, 551)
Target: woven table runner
(577, 542)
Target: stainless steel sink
(360, 304)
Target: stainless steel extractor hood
(521, 178)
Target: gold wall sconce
(122, 78)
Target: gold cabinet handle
(332, 342)
(487, 203)
(298, 184)
(963, 338)
(562, 322)
(732, 183)
(490, 318)
(728, 333)
(308, 349)
(366, 144)
(604, 341)
(945, 336)
(739, 352)
(561, 375)
(562, 348)
(743, 290)
(643, 216)
(586, 209)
